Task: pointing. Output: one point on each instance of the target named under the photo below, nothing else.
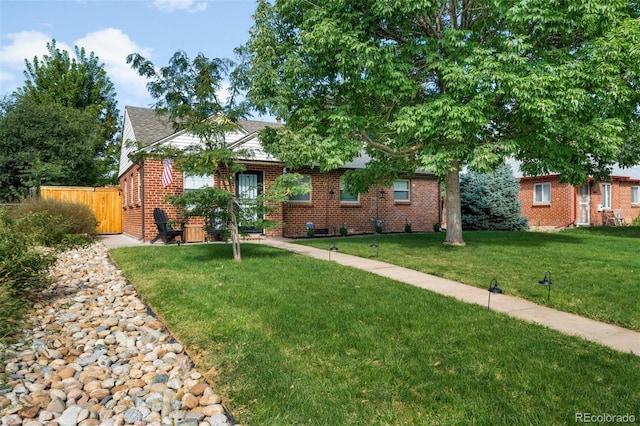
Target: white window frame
(397, 191)
(345, 196)
(139, 187)
(606, 195)
(125, 198)
(545, 197)
(132, 188)
(635, 195)
(194, 182)
(303, 198)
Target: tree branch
(388, 150)
(425, 23)
(453, 13)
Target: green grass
(595, 271)
(291, 340)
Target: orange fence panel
(106, 203)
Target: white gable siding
(125, 149)
(233, 139)
(252, 144)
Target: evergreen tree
(490, 201)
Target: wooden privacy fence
(106, 203)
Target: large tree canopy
(45, 144)
(445, 84)
(80, 82)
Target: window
(125, 198)
(635, 195)
(302, 197)
(194, 182)
(606, 195)
(401, 191)
(346, 196)
(131, 187)
(139, 187)
(541, 193)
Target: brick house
(547, 202)
(412, 199)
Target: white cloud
(112, 46)
(173, 5)
(23, 45)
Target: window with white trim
(139, 187)
(402, 190)
(132, 187)
(542, 193)
(635, 195)
(302, 197)
(346, 196)
(125, 192)
(606, 195)
(195, 182)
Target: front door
(584, 203)
(248, 187)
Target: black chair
(165, 231)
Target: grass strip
(291, 340)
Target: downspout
(575, 205)
(142, 196)
(439, 203)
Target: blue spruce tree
(490, 201)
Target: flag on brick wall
(167, 173)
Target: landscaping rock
(95, 355)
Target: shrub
(12, 311)
(53, 221)
(23, 268)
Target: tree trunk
(454, 212)
(235, 234)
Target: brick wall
(324, 209)
(621, 198)
(563, 209)
(559, 212)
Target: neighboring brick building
(547, 202)
(413, 199)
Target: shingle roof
(252, 126)
(149, 127)
(617, 171)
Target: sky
(113, 29)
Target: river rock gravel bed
(96, 355)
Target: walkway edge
(612, 336)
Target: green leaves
(451, 77)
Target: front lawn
(291, 340)
(595, 271)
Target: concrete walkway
(615, 337)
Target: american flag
(167, 173)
